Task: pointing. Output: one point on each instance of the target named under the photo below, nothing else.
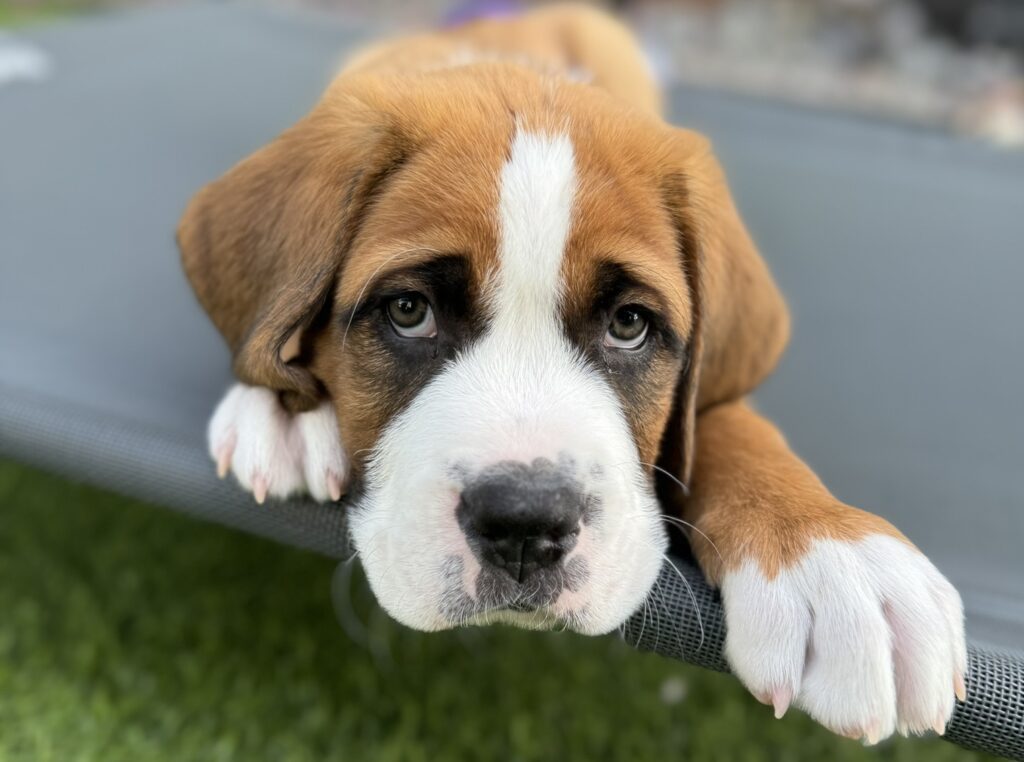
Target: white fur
(867, 637)
(266, 445)
(521, 392)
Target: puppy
(484, 285)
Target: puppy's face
(491, 277)
(505, 344)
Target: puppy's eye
(412, 317)
(628, 328)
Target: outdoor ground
(131, 633)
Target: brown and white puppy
(483, 282)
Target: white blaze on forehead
(536, 191)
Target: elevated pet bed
(899, 251)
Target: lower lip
(521, 607)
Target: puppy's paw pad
(867, 637)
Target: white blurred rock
(20, 61)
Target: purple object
(474, 10)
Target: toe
(259, 488)
(923, 662)
(924, 618)
(768, 623)
(263, 459)
(324, 464)
(221, 433)
(223, 454)
(848, 684)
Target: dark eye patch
(448, 285)
(446, 281)
(641, 377)
(388, 369)
(615, 287)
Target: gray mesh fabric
(683, 619)
(992, 719)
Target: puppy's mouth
(522, 616)
(488, 595)
(521, 607)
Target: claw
(959, 688)
(940, 726)
(259, 489)
(780, 701)
(333, 486)
(873, 734)
(223, 461)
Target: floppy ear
(262, 246)
(741, 324)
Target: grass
(130, 633)
(20, 13)
(14, 14)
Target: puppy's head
(517, 295)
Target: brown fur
(755, 499)
(399, 162)
(551, 40)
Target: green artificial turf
(130, 633)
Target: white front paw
(867, 637)
(272, 452)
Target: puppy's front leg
(827, 607)
(272, 452)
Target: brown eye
(411, 316)
(628, 328)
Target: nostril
(521, 519)
(521, 558)
(564, 529)
(491, 534)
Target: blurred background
(956, 65)
(128, 632)
(952, 64)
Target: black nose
(522, 518)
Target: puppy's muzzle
(521, 520)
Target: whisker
(566, 621)
(659, 469)
(344, 611)
(693, 598)
(374, 547)
(675, 519)
(664, 604)
(683, 525)
(643, 621)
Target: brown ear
(741, 324)
(262, 246)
